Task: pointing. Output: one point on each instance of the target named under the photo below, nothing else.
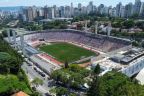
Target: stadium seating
(99, 42)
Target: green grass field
(65, 51)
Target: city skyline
(5, 3)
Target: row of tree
(114, 84)
(116, 22)
(72, 76)
(111, 84)
(12, 78)
(10, 60)
(33, 26)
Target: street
(32, 74)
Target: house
(20, 93)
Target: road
(32, 74)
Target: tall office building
(67, 12)
(50, 13)
(90, 7)
(56, 11)
(114, 13)
(76, 12)
(34, 11)
(100, 8)
(122, 12)
(84, 10)
(94, 9)
(80, 8)
(45, 12)
(23, 15)
(118, 9)
(53, 13)
(72, 10)
(110, 11)
(105, 10)
(62, 11)
(142, 10)
(128, 10)
(40, 12)
(30, 14)
(137, 7)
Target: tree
(61, 91)
(94, 89)
(140, 24)
(13, 63)
(55, 25)
(135, 16)
(117, 24)
(95, 84)
(11, 84)
(70, 77)
(36, 94)
(114, 84)
(72, 94)
(66, 64)
(37, 82)
(97, 69)
(7, 63)
(129, 23)
(79, 26)
(135, 43)
(10, 65)
(142, 44)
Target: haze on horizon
(5, 3)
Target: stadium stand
(98, 42)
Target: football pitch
(65, 51)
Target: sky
(59, 2)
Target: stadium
(49, 49)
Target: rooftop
(128, 56)
(122, 59)
(20, 94)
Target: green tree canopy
(72, 76)
(37, 81)
(97, 69)
(115, 84)
(128, 23)
(10, 84)
(61, 91)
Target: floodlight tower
(86, 26)
(53, 13)
(14, 38)
(8, 34)
(109, 28)
(22, 44)
(96, 27)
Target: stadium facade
(114, 53)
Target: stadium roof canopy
(31, 50)
(128, 56)
(117, 57)
(140, 76)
